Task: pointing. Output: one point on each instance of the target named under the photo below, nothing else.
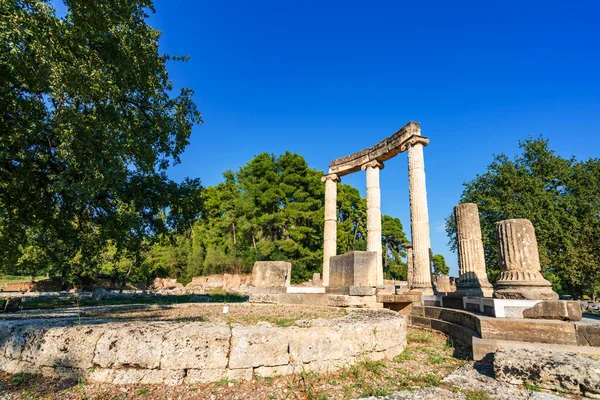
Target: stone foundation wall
(195, 352)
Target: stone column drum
(409, 263)
(472, 279)
(330, 228)
(374, 214)
(419, 215)
(520, 276)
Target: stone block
(71, 347)
(126, 345)
(588, 335)
(196, 345)
(566, 372)
(259, 345)
(270, 274)
(358, 268)
(554, 309)
(361, 291)
(537, 331)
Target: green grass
(476, 395)
(19, 278)
(418, 337)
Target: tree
(272, 209)
(88, 128)
(439, 264)
(560, 196)
(392, 236)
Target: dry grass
(426, 361)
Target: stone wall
(195, 352)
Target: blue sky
(328, 78)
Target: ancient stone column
(330, 228)
(409, 262)
(472, 279)
(372, 169)
(520, 270)
(419, 215)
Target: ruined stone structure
(473, 279)
(371, 160)
(520, 268)
(409, 262)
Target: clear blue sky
(328, 78)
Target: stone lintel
(384, 150)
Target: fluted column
(419, 215)
(372, 169)
(409, 262)
(520, 270)
(473, 279)
(330, 228)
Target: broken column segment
(473, 279)
(520, 270)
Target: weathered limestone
(520, 268)
(419, 215)
(409, 263)
(443, 284)
(555, 309)
(271, 276)
(173, 353)
(472, 279)
(330, 229)
(566, 372)
(372, 169)
(358, 268)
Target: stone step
(457, 331)
(485, 347)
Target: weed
(436, 359)
(404, 356)
(17, 379)
(533, 387)
(418, 337)
(142, 392)
(476, 395)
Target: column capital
(332, 177)
(414, 140)
(371, 164)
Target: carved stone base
(475, 289)
(528, 285)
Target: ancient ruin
(371, 160)
(473, 279)
(521, 276)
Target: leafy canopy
(89, 124)
(560, 196)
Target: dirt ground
(243, 313)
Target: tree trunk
(233, 230)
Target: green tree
(439, 264)
(89, 127)
(560, 196)
(392, 236)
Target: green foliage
(89, 127)
(271, 209)
(392, 236)
(439, 264)
(560, 196)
